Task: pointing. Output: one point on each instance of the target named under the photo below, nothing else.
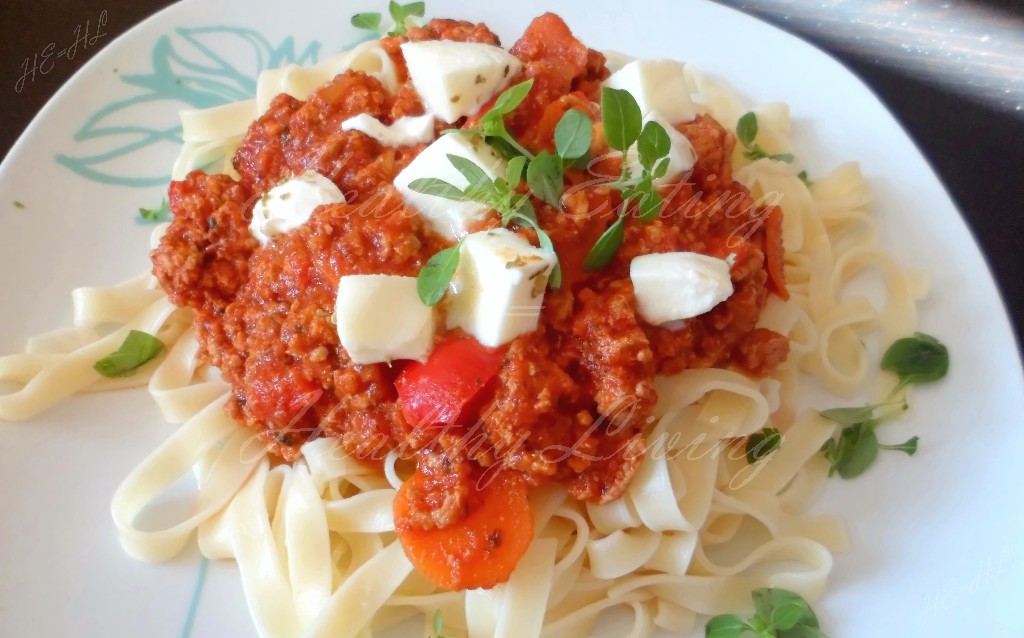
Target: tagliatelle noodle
(697, 529)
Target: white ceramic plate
(936, 539)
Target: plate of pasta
(437, 320)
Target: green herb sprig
(137, 349)
(779, 613)
(499, 194)
(492, 125)
(746, 133)
(399, 13)
(155, 215)
(917, 359)
(438, 625)
(762, 443)
(624, 127)
(545, 174)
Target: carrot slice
(483, 548)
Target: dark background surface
(977, 149)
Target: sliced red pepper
(447, 385)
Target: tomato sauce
(572, 400)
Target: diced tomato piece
(483, 548)
(548, 38)
(445, 387)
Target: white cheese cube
(289, 205)
(404, 131)
(456, 78)
(448, 217)
(380, 318)
(674, 286)
(681, 155)
(499, 286)
(657, 85)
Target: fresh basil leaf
(605, 247)
(514, 170)
(755, 153)
(804, 178)
(438, 188)
(746, 129)
(156, 215)
(555, 278)
(369, 21)
(573, 134)
(909, 447)
(787, 615)
(800, 631)
(652, 145)
(850, 416)
(726, 626)
(762, 443)
(504, 147)
(437, 273)
(511, 98)
(856, 450)
(661, 168)
(769, 599)
(475, 175)
(137, 349)
(918, 359)
(544, 175)
(648, 202)
(621, 117)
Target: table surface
(977, 148)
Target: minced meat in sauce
(577, 389)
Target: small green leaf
(514, 170)
(652, 145)
(661, 168)
(605, 247)
(21, 206)
(156, 215)
(755, 153)
(475, 175)
(573, 134)
(804, 178)
(762, 443)
(438, 188)
(918, 359)
(787, 615)
(621, 117)
(726, 626)
(368, 21)
(769, 599)
(437, 273)
(850, 416)
(782, 157)
(400, 12)
(438, 622)
(544, 175)
(137, 349)
(856, 450)
(801, 631)
(511, 98)
(746, 129)
(909, 446)
(555, 279)
(648, 201)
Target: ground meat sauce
(579, 388)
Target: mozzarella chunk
(448, 217)
(674, 286)
(681, 154)
(380, 318)
(657, 85)
(288, 205)
(404, 131)
(456, 78)
(499, 286)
